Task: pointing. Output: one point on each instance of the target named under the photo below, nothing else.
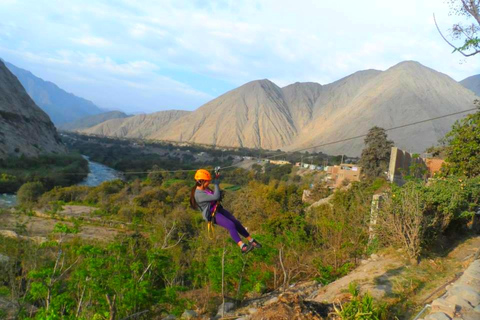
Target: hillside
(405, 93)
(91, 121)
(139, 126)
(260, 114)
(24, 127)
(472, 83)
(61, 106)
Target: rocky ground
(382, 276)
(461, 299)
(39, 226)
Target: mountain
(260, 114)
(300, 98)
(254, 115)
(472, 83)
(61, 106)
(24, 127)
(405, 93)
(139, 126)
(91, 121)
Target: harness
(210, 228)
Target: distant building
(338, 174)
(298, 164)
(279, 162)
(433, 165)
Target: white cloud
(92, 41)
(142, 47)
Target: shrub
(361, 307)
(401, 221)
(29, 193)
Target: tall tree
(463, 149)
(467, 33)
(376, 154)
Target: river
(98, 173)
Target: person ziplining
(208, 202)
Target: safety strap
(210, 228)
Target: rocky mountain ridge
(91, 121)
(24, 128)
(260, 114)
(61, 106)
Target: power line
(364, 135)
(312, 147)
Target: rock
(189, 314)
(374, 256)
(459, 302)
(466, 280)
(38, 240)
(437, 316)
(441, 305)
(467, 293)
(9, 234)
(4, 259)
(363, 261)
(473, 272)
(252, 310)
(273, 300)
(229, 306)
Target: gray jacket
(204, 200)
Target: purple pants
(225, 219)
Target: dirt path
(373, 275)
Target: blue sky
(151, 55)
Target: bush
(463, 150)
(361, 307)
(29, 193)
(402, 221)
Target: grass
(413, 284)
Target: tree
(467, 33)
(463, 149)
(156, 176)
(376, 154)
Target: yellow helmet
(203, 174)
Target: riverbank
(98, 173)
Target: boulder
(229, 306)
(443, 306)
(189, 314)
(467, 293)
(9, 234)
(460, 303)
(437, 316)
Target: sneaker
(246, 248)
(256, 244)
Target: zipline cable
(304, 149)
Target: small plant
(361, 307)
